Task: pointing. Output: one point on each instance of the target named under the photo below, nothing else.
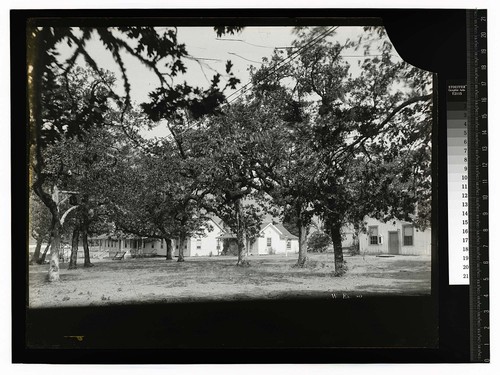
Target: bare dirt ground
(217, 278)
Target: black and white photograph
(192, 163)
(228, 183)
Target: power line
(361, 55)
(251, 44)
(244, 58)
(282, 63)
(204, 58)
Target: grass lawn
(217, 278)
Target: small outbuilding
(274, 238)
(206, 243)
(394, 237)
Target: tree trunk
(182, 241)
(248, 244)
(74, 248)
(240, 238)
(168, 241)
(336, 235)
(36, 59)
(302, 245)
(85, 241)
(53, 274)
(36, 255)
(242, 254)
(44, 255)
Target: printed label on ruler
(458, 185)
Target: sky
(244, 49)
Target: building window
(373, 233)
(288, 244)
(153, 244)
(268, 241)
(408, 235)
(198, 244)
(161, 244)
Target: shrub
(229, 247)
(318, 242)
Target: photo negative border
(384, 329)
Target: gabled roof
(217, 221)
(281, 230)
(100, 237)
(285, 232)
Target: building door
(269, 245)
(393, 243)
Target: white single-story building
(274, 238)
(132, 246)
(206, 244)
(394, 237)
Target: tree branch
(380, 126)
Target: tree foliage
(318, 242)
(344, 146)
(157, 50)
(313, 136)
(155, 198)
(228, 141)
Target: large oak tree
(341, 144)
(157, 50)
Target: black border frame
(434, 40)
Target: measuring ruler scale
(458, 183)
(478, 186)
(468, 243)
